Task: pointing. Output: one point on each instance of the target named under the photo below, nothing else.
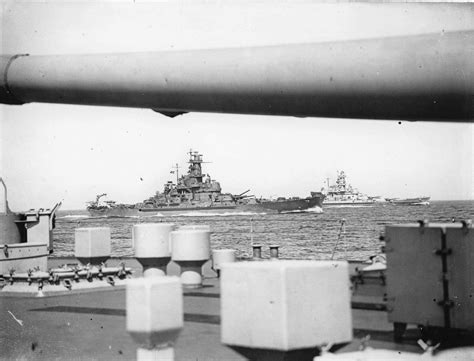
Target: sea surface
(312, 234)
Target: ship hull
(291, 205)
(348, 203)
(114, 212)
(421, 201)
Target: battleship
(342, 194)
(196, 191)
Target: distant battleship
(342, 193)
(195, 191)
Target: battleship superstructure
(342, 193)
(196, 190)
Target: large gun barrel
(423, 77)
(241, 194)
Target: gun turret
(416, 77)
(237, 197)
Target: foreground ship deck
(83, 312)
(92, 325)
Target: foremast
(193, 180)
(341, 187)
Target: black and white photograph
(236, 180)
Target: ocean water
(310, 234)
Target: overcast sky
(71, 153)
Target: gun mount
(237, 197)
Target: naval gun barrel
(420, 77)
(241, 194)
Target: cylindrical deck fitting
(191, 273)
(220, 256)
(190, 249)
(274, 252)
(151, 243)
(92, 245)
(257, 252)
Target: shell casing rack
(65, 279)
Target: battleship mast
(176, 167)
(341, 182)
(195, 169)
(193, 180)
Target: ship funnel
(417, 77)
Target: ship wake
(215, 214)
(309, 210)
(74, 216)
